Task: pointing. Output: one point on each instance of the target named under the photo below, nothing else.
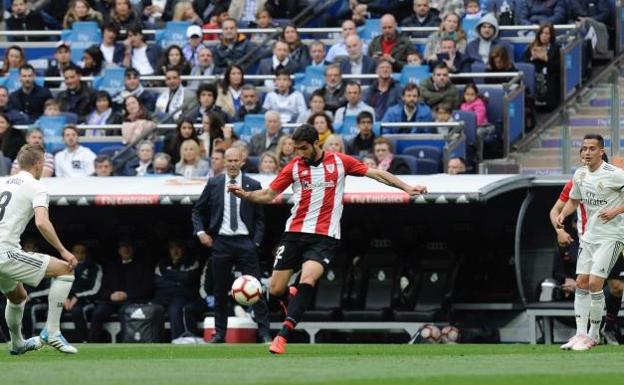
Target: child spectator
(475, 103)
(287, 102)
(414, 59)
(443, 115)
(369, 160)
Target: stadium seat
(468, 25)
(254, 161)
(478, 67)
(411, 162)
(52, 127)
(428, 166)
(495, 96)
(111, 81)
(426, 152)
(312, 79)
(379, 291)
(110, 150)
(255, 123)
(528, 75)
(414, 74)
(470, 125)
(12, 82)
(174, 33)
(348, 129)
(328, 299)
(370, 29)
(83, 35)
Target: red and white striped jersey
(581, 212)
(318, 192)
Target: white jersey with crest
(599, 190)
(19, 195)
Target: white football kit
(601, 243)
(19, 196)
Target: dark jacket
(401, 49)
(197, 116)
(300, 57)
(381, 101)
(224, 55)
(431, 20)
(15, 116)
(208, 210)
(11, 142)
(32, 103)
(153, 53)
(547, 77)
(596, 9)
(78, 102)
(266, 67)
(54, 70)
(134, 278)
(433, 96)
(33, 21)
(132, 164)
(368, 67)
(334, 99)
(88, 281)
(240, 115)
(176, 280)
(461, 62)
(257, 143)
(532, 12)
(399, 167)
(359, 146)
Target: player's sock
(59, 290)
(297, 306)
(581, 310)
(13, 314)
(613, 304)
(595, 313)
(274, 301)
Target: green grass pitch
(315, 364)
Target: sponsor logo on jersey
(325, 184)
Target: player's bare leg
(279, 289)
(13, 314)
(596, 307)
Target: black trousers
(240, 251)
(102, 313)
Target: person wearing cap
(194, 45)
(62, 59)
(140, 55)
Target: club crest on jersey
(304, 173)
(330, 168)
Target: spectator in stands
(287, 102)
(438, 88)
(112, 50)
(473, 102)
(456, 166)
(391, 45)
(504, 10)
(207, 95)
(162, 164)
(423, 16)
(192, 48)
(263, 20)
(593, 15)
(182, 11)
(138, 54)
(62, 60)
(473, 12)
(80, 10)
(92, 61)
(268, 163)
(279, 61)
(487, 39)
(126, 280)
(384, 91)
(136, 120)
(77, 97)
(249, 103)
(267, 141)
(544, 53)
(317, 104)
(447, 6)
(11, 139)
(362, 143)
(102, 114)
(410, 110)
(369, 160)
(450, 27)
(30, 98)
(531, 12)
(84, 291)
(215, 20)
(75, 160)
(415, 59)
(23, 18)
(299, 52)
(204, 66)
(285, 150)
(455, 61)
(14, 58)
(248, 166)
(173, 58)
(123, 15)
(35, 136)
(357, 63)
(334, 88)
(339, 50)
(217, 162)
(12, 114)
(334, 143)
(245, 11)
(175, 283)
(231, 48)
(133, 87)
(317, 54)
(176, 99)
(230, 89)
(143, 163)
(499, 61)
(191, 165)
(386, 159)
(216, 134)
(184, 131)
(443, 115)
(323, 125)
(103, 165)
(355, 105)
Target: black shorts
(617, 272)
(296, 248)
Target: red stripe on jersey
(303, 175)
(565, 193)
(325, 216)
(583, 217)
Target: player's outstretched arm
(258, 196)
(42, 221)
(569, 207)
(389, 179)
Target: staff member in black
(235, 229)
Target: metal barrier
(571, 68)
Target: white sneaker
(568, 345)
(31, 344)
(584, 343)
(58, 342)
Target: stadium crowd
(205, 110)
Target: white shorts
(598, 258)
(20, 266)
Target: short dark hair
(210, 87)
(411, 87)
(111, 26)
(27, 67)
(597, 137)
(102, 158)
(443, 107)
(103, 95)
(72, 67)
(364, 115)
(173, 69)
(282, 71)
(72, 127)
(441, 66)
(353, 83)
(460, 158)
(131, 71)
(305, 133)
(135, 29)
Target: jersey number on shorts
(5, 198)
(278, 255)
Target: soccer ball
(450, 335)
(246, 290)
(430, 334)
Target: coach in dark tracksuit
(234, 230)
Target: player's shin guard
(296, 308)
(13, 314)
(613, 304)
(596, 308)
(59, 290)
(581, 310)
